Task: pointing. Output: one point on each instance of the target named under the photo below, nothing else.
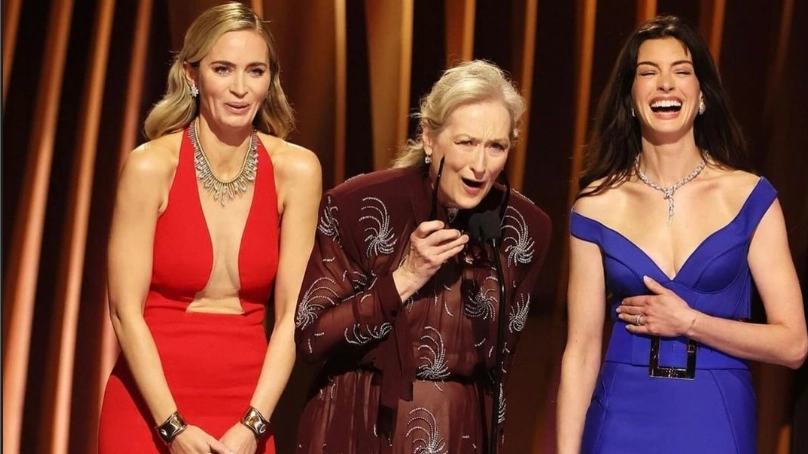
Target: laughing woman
(666, 237)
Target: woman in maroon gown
(398, 300)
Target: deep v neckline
(250, 214)
(695, 250)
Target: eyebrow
(502, 141)
(677, 62)
(227, 63)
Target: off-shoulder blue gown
(715, 411)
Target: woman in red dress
(198, 246)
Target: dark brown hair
(614, 142)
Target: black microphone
(486, 228)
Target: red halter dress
(211, 361)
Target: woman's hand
(661, 314)
(194, 440)
(430, 246)
(241, 439)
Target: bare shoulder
(598, 206)
(155, 160)
(148, 173)
(734, 186)
(291, 162)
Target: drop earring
(702, 107)
(427, 159)
(632, 113)
(194, 90)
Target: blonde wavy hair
(467, 83)
(177, 108)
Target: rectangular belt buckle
(655, 370)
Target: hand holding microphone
(430, 246)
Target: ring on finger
(637, 319)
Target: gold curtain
(80, 75)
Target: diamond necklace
(224, 191)
(668, 192)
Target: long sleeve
(343, 303)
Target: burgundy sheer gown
(411, 376)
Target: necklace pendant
(224, 191)
(667, 193)
(670, 211)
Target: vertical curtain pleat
(11, 20)
(524, 48)
(646, 9)
(58, 381)
(21, 276)
(389, 40)
(712, 25)
(340, 89)
(586, 11)
(459, 30)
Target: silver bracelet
(256, 422)
(172, 427)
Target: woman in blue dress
(667, 235)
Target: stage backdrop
(80, 75)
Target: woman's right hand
(194, 440)
(430, 246)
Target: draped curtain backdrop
(80, 75)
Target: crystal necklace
(668, 192)
(224, 191)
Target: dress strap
(757, 204)
(586, 229)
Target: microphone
(486, 229)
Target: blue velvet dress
(714, 412)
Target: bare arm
(142, 194)
(586, 306)
(142, 191)
(300, 188)
(781, 340)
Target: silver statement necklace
(224, 191)
(668, 192)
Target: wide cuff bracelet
(255, 422)
(173, 426)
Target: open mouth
(472, 183)
(666, 106)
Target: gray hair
(467, 83)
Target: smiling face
(233, 79)
(475, 143)
(666, 92)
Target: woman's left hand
(240, 439)
(661, 314)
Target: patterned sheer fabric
(411, 376)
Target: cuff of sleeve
(389, 298)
